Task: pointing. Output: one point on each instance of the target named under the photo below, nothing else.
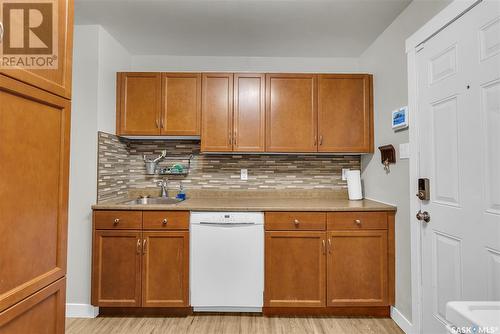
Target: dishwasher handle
(227, 224)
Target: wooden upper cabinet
(34, 218)
(291, 113)
(357, 268)
(57, 81)
(294, 269)
(181, 114)
(165, 274)
(345, 113)
(217, 112)
(138, 103)
(116, 268)
(249, 112)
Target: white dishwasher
(227, 261)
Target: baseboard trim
(343, 311)
(81, 311)
(403, 323)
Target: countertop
(255, 204)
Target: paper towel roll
(354, 185)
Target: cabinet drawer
(295, 221)
(117, 220)
(356, 220)
(166, 220)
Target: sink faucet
(164, 189)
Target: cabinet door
(291, 113)
(165, 273)
(181, 114)
(217, 112)
(295, 269)
(116, 268)
(57, 81)
(34, 155)
(40, 313)
(138, 103)
(357, 268)
(345, 113)
(249, 112)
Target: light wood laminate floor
(232, 324)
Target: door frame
(414, 44)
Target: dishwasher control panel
(227, 218)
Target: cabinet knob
(358, 221)
(116, 221)
(164, 221)
(296, 222)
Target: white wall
(96, 58)
(243, 64)
(386, 59)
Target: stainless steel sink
(153, 200)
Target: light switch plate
(244, 174)
(404, 151)
(344, 173)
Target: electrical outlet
(244, 174)
(344, 173)
(404, 151)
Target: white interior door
(459, 143)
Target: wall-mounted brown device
(388, 156)
(424, 191)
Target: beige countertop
(255, 204)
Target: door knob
(425, 216)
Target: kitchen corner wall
(386, 60)
(97, 56)
(121, 167)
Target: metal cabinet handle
(357, 221)
(1, 32)
(320, 140)
(315, 140)
(230, 139)
(138, 246)
(329, 246)
(164, 221)
(144, 246)
(324, 246)
(296, 222)
(116, 221)
(234, 138)
(161, 123)
(157, 123)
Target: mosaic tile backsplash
(121, 168)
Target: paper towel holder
(388, 156)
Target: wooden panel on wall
(249, 112)
(291, 113)
(345, 113)
(138, 103)
(294, 269)
(116, 268)
(165, 269)
(57, 81)
(40, 313)
(34, 150)
(181, 114)
(217, 112)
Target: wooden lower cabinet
(357, 268)
(165, 269)
(295, 269)
(141, 268)
(40, 313)
(116, 268)
(344, 267)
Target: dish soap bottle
(181, 195)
